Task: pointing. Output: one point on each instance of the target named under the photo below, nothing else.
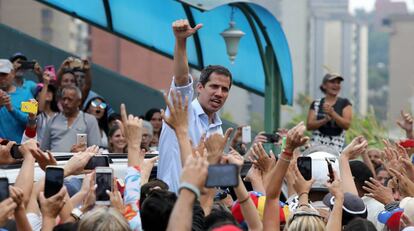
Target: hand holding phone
(330, 171)
(246, 134)
(104, 180)
(305, 167)
(30, 107)
(53, 181)
(222, 175)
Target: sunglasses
(96, 103)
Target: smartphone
(305, 166)
(14, 151)
(246, 134)
(81, 139)
(330, 171)
(97, 161)
(29, 107)
(51, 69)
(272, 137)
(4, 188)
(222, 175)
(54, 180)
(27, 65)
(104, 180)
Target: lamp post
(232, 36)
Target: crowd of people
(347, 186)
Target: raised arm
(294, 139)
(406, 123)
(88, 80)
(182, 30)
(178, 120)
(355, 148)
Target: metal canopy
(148, 23)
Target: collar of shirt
(199, 111)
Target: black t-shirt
(331, 128)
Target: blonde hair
(305, 222)
(103, 219)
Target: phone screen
(104, 182)
(305, 166)
(15, 152)
(27, 65)
(54, 181)
(81, 139)
(4, 188)
(97, 161)
(222, 175)
(272, 137)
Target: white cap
(5, 66)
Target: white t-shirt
(374, 207)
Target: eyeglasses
(96, 103)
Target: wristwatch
(77, 214)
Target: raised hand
(178, 118)
(406, 122)
(77, 163)
(183, 30)
(37, 69)
(116, 198)
(295, 137)
(378, 191)
(262, 160)
(43, 158)
(195, 171)
(131, 127)
(50, 207)
(7, 208)
(335, 187)
(301, 185)
(355, 148)
(5, 156)
(405, 185)
(215, 145)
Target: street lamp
(232, 36)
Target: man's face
(375, 157)
(70, 102)
(6, 80)
(146, 138)
(213, 95)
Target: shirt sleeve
(186, 90)
(132, 195)
(20, 116)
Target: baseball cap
(331, 76)
(17, 56)
(227, 228)
(5, 66)
(353, 206)
(391, 218)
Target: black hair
(379, 169)
(361, 173)
(207, 71)
(219, 216)
(150, 113)
(322, 89)
(359, 224)
(68, 226)
(149, 186)
(114, 116)
(103, 121)
(52, 89)
(156, 210)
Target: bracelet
(287, 153)
(244, 200)
(302, 194)
(286, 160)
(191, 188)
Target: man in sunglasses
(62, 131)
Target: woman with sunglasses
(97, 107)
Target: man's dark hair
(219, 216)
(149, 186)
(156, 210)
(361, 173)
(207, 71)
(360, 224)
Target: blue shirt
(169, 164)
(12, 124)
